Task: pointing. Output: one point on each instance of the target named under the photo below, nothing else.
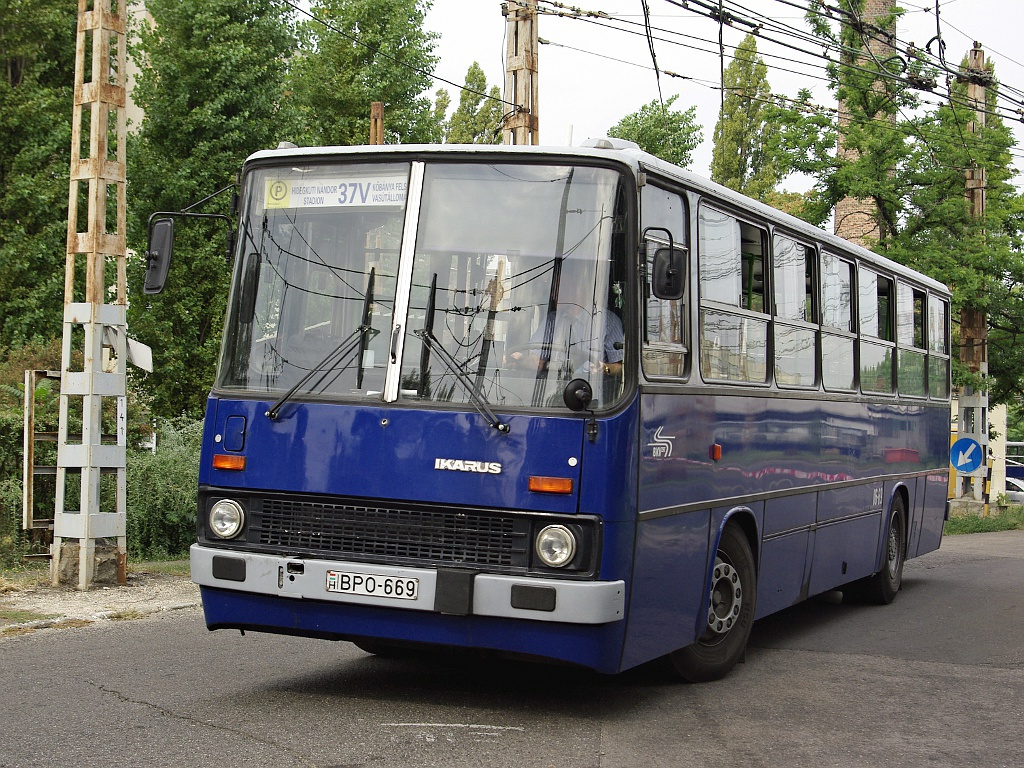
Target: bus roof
(630, 154)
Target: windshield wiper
(430, 341)
(357, 340)
(367, 310)
(351, 343)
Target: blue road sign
(966, 455)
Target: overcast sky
(592, 75)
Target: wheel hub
(894, 550)
(726, 598)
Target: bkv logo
(661, 446)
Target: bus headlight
(226, 519)
(556, 546)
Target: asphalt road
(936, 679)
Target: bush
(1011, 519)
(14, 542)
(161, 501)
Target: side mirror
(668, 280)
(158, 255)
(577, 395)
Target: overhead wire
(606, 20)
(723, 12)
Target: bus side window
(911, 376)
(876, 303)
(938, 347)
(837, 334)
(665, 321)
(733, 310)
(795, 334)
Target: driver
(573, 328)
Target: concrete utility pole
(92, 326)
(972, 406)
(521, 85)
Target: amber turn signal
(550, 484)
(224, 461)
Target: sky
(591, 76)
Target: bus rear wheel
(730, 614)
(881, 588)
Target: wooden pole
(521, 83)
(377, 122)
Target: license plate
(373, 585)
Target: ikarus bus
(576, 404)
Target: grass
(12, 616)
(125, 615)
(161, 567)
(32, 571)
(1010, 519)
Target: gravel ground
(27, 605)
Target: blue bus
(575, 404)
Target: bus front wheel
(730, 613)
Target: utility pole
(521, 85)
(93, 328)
(377, 122)
(972, 405)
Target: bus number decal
(334, 193)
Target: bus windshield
(512, 286)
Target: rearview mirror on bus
(668, 279)
(158, 254)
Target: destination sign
(347, 192)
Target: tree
(37, 49)
(911, 165)
(980, 259)
(212, 89)
(358, 52)
(873, 144)
(741, 158)
(477, 120)
(670, 134)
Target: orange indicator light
(224, 461)
(551, 484)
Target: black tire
(730, 614)
(881, 588)
(386, 649)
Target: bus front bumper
(446, 591)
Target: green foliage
(37, 48)
(741, 158)
(477, 120)
(911, 166)
(212, 90)
(1011, 519)
(1015, 421)
(14, 542)
(162, 492)
(365, 51)
(668, 133)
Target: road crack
(300, 757)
